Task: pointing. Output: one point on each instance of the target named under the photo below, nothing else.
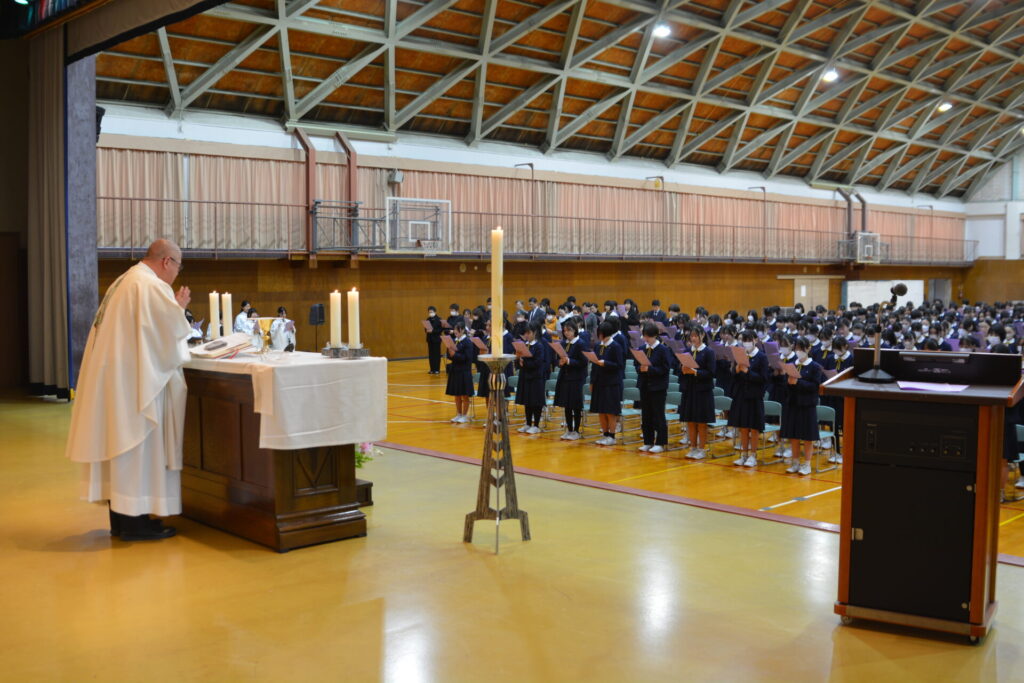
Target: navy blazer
(575, 368)
(704, 379)
(656, 377)
(610, 374)
(805, 392)
(752, 383)
(536, 366)
(659, 316)
(464, 356)
(620, 339)
(435, 326)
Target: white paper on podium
(307, 401)
(931, 386)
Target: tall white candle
(335, 319)
(227, 312)
(214, 318)
(353, 320)
(497, 289)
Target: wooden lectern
(921, 485)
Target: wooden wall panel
(395, 294)
(995, 280)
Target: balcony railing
(238, 228)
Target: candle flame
(353, 289)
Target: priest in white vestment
(128, 418)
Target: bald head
(163, 249)
(164, 257)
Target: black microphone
(897, 290)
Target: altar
(269, 446)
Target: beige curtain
(47, 259)
(257, 203)
(139, 198)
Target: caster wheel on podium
(974, 639)
(845, 621)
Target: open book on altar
(223, 347)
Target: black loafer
(142, 528)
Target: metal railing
(201, 228)
(239, 228)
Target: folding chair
(549, 402)
(672, 400)
(630, 416)
(826, 416)
(718, 391)
(772, 411)
(722, 406)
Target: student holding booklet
(569, 385)
(800, 418)
(460, 372)
(531, 360)
(698, 382)
(746, 415)
(432, 326)
(606, 381)
(653, 364)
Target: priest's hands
(183, 296)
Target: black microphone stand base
(876, 376)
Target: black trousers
(434, 354)
(652, 417)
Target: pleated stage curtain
(47, 269)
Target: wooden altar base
(282, 499)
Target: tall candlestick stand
(496, 468)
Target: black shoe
(115, 521)
(142, 528)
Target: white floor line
(799, 499)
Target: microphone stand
(876, 375)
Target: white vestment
(128, 418)
(282, 333)
(241, 323)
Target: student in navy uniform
(532, 373)
(723, 368)
(460, 372)
(454, 316)
(571, 376)
(652, 380)
(746, 415)
(606, 382)
(698, 405)
(777, 386)
(800, 417)
(657, 314)
(434, 341)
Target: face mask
(749, 346)
(430, 314)
(825, 347)
(784, 350)
(810, 338)
(993, 340)
(761, 336)
(750, 318)
(801, 355)
(454, 312)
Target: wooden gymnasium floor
(611, 588)
(418, 414)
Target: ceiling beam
(172, 76)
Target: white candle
(227, 312)
(353, 320)
(335, 319)
(497, 290)
(214, 315)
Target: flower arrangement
(365, 452)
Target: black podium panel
(911, 557)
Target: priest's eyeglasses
(177, 263)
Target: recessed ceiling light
(21, 2)
(830, 75)
(945, 106)
(662, 31)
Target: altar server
(434, 341)
(128, 420)
(460, 373)
(569, 385)
(746, 414)
(241, 323)
(652, 381)
(800, 416)
(698, 406)
(282, 332)
(532, 372)
(606, 382)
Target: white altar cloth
(307, 401)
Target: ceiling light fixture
(945, 106)
(830, 76)
(21, 2)
(662, 31)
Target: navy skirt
(530, 392)
(747, 413)
(569, 393)
(606, 400)
(697, 406)
(460, 383)
(799, 422)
